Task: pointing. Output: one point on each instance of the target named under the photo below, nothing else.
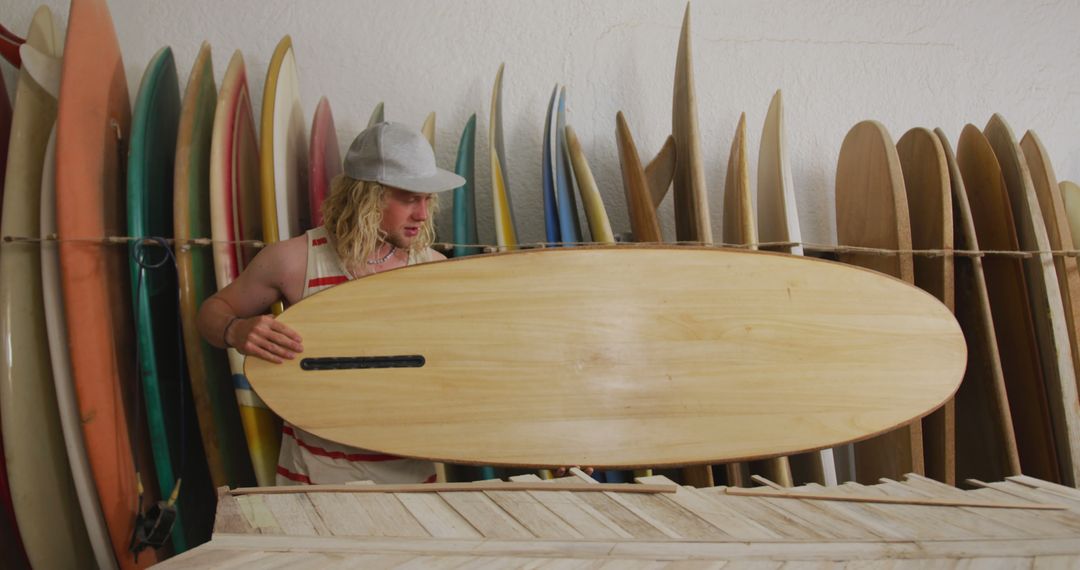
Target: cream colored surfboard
(1045, 295)
(643, 221)
(685, 373)
(599, 225)
(1070, 195)
(505, 227)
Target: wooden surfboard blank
(1070, 195)
(985, 441)
(91, 128)
(643, 221)
(872, 211)
(665, 356)
(926, 180)
(38, 473)
(1007, 289)
(1051, 330)
(692, 221)
(283, 149)
(739, 229)
(1059, 234)
(324, 160)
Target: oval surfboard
(643, 222)
(1007, 289)
(872, 211)
(1070, 196)
(91, 134)
(324, 158)
(39, 477)
(505, 227)
(656, 347)
(211, 385)
(153, 282)
(465, 196)
(1051, 328)
(692, 222)
(235, 216)
(569, 225)
(926, 181)
(985, 440)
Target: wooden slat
(1033, 482)
(485, 516)
(1056, 563)
(729, 521)
(977, 525)
(491, 485)
(533, 515)
(229, 518)
(577, 513)
(753, 509)
(856, 512)
(1062, 518)
(258, 515)
(439, 518)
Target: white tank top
(308, 459)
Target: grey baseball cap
(396, 155)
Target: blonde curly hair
(352, 214)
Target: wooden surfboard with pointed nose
(614, 357)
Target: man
(377, 217)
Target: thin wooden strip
(1021, 523)
(727, 520)
(579, 515)
(763, 492)
(440, 520)
(369, 561)
(1056, 562)
(895, 516)
(1033, 482)
(533, 515)
(392, 516)
(485, 516)
(632, 564)
(450, 487)
(685, 524)
(207, 556)
(753, 509)
(859, 514)
(436, 562)
(637, 523)
(997, 563)
(229, 517)
(1063, 499)
(918, 515)
(977, 525)
(696, 565)
(1020, 491)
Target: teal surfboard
(174, 434)
(569, 224)
(465, 197)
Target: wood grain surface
(665, 356)
(692, 222)
(643, 221)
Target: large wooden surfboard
(692, 221)
(926, 181)
(659, 349)
(985, 441)
(569, 223)
(872, 211)
(283, 149)
(643, 222)
(171, 417)
(324, 159)
(39, 477)
(505, 227)
(236, 215)
(1051, 328)
(1070, 195)
(1059, 234)
(1008, 292)
(739, 229)
(552, 230)
(91, 134)
(215, 399)
(778, 221)
(595, 213)
(465, 196)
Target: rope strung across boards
(187, 244)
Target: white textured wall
(907, 64)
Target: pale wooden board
(642, 212)
(1058, 233)
(660, 171)
(986, 442)
(872, 211)
(1051, 328)
(696, 320)
(1070, 195)
(926, 180)
(1008, 294)
(692, 222)
(505, 227)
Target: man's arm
(234, 316)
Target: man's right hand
(263, 336)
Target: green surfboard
(169, 409)
(464, 197)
